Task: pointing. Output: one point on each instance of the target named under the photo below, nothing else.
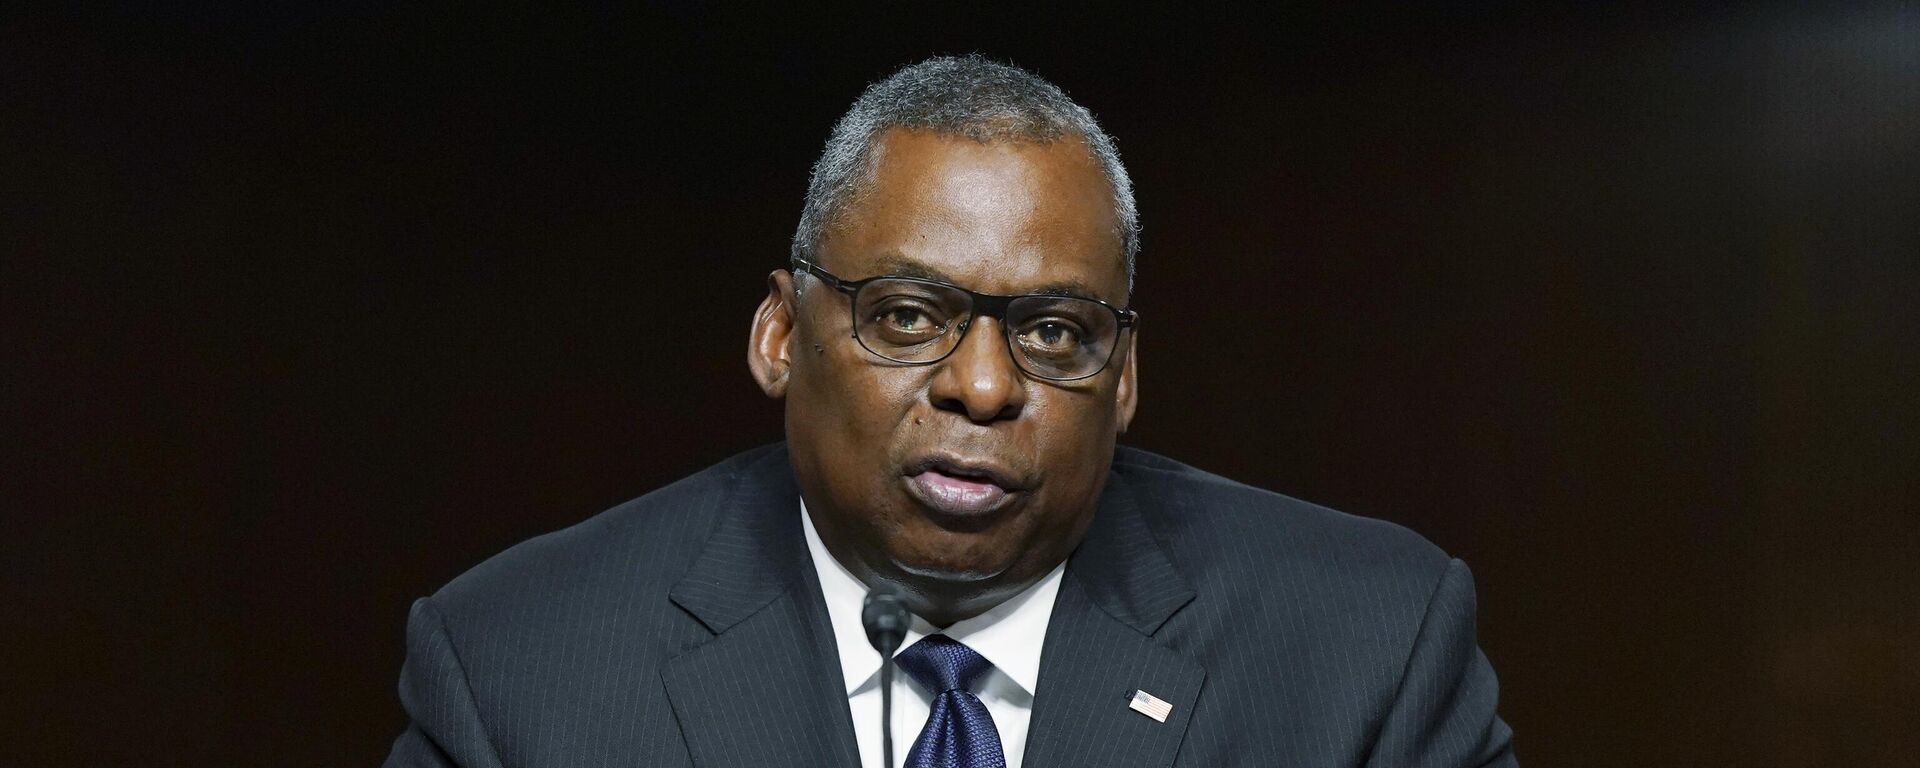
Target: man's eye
(908, 319)
(1052, 336)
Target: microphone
(885, 619)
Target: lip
(972, 469)
(961, 491)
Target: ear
(1127, 395)
(768, 344)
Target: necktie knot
(941, 664)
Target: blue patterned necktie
(959, 731)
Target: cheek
(1071, 423)
(840, 394)
(1074, 441)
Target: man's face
(964, 481)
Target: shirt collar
(1009, 635)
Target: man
(956, 358)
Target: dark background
(307, 311)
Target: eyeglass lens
(1055, 337)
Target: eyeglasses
(919, 322)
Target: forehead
(997, 217)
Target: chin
(947, 574)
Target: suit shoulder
(1228, 523)
(649, 540)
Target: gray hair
(967, 96)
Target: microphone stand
(886, 709)
(885, 619)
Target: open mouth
(959, 489)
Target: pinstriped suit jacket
(686, 628)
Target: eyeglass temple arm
(808, 267)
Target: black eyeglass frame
(992, 305)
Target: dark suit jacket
(687, 628)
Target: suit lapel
(1119, 588)
(767, 688)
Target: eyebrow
(893, 264)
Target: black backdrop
(307, 311)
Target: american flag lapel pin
(1150, 705)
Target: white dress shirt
(1009, 636)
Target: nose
(979, 379)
